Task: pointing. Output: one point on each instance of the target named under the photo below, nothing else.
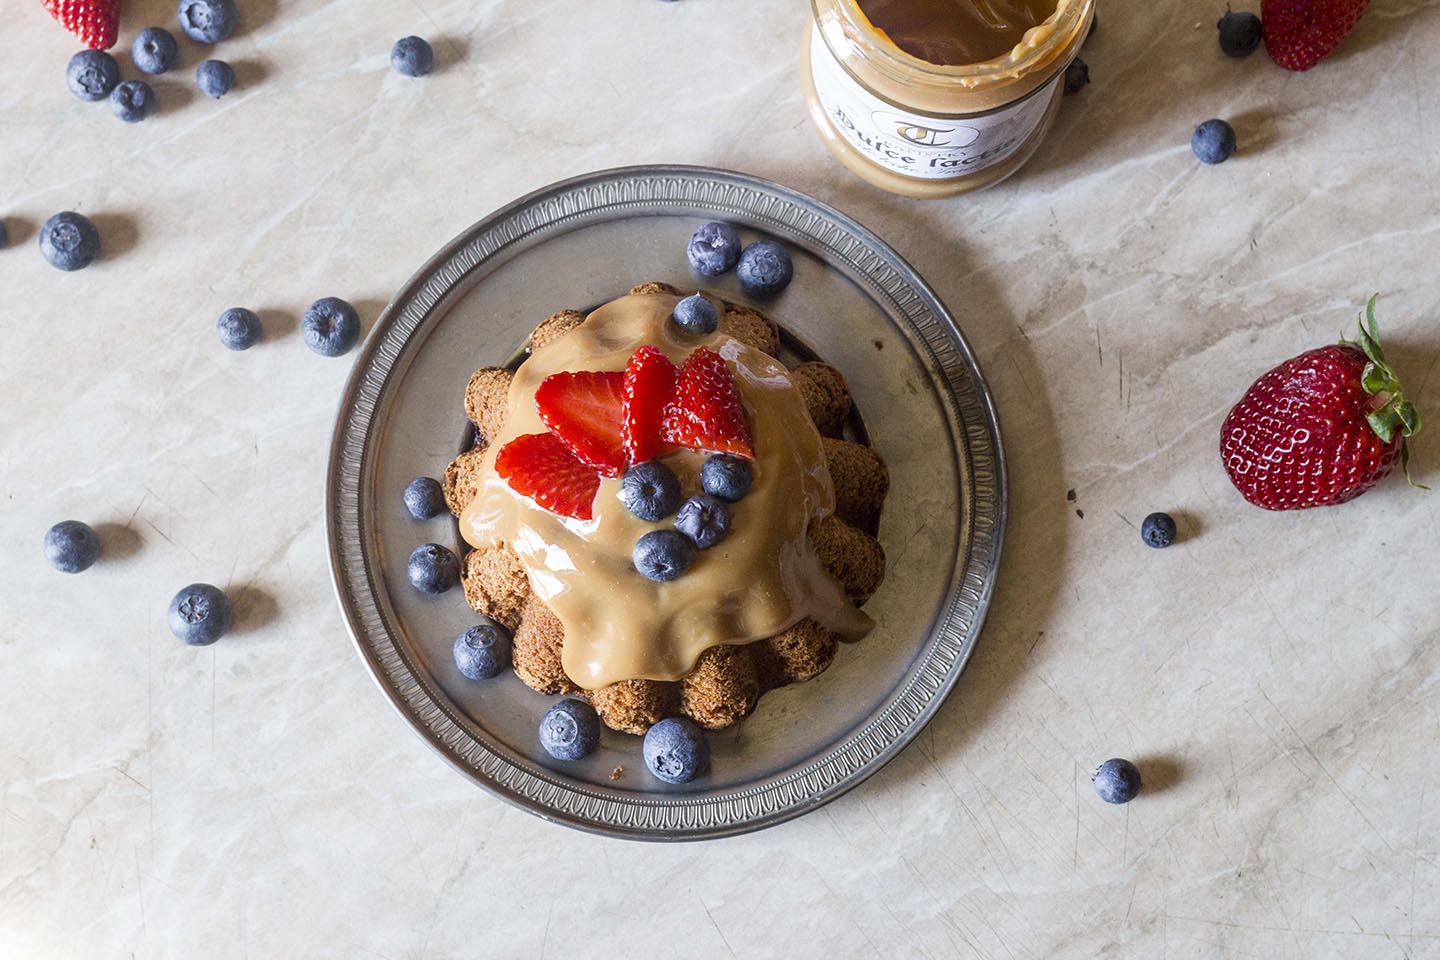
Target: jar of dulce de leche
(930, 98)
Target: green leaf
(1370, 334)
(1405, 465)
(1376, 378)
(1383, 422)
(1409, 418)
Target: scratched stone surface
(1274, 675)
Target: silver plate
(856, 303)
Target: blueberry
(713, 249)
(1240, 33)
(650, 490)
(132, 101)
(4, 235)
(215, 78)
(764, 269)
(704, 519)
(1158, 530)
(676, 750)
(424, 498)
(92, 74)
(570, 729)
(207, 21)
(71, 546)
(726, 477)
(1117, 781)
(482, 651)
(1213, 141)
(432, 568)
(695, 314)
(199, 614)
(1077, 75)
(239, 328)
(412, 57)
(154, 50)
(662, 555)
(69, 241)
(330, 326)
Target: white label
(917, 144)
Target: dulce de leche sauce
(956, 32)
(757, 582)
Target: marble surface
(1274, 675)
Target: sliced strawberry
(95, 22)
(706, 412)
(648, 387)
(583, 410)
(541, 467)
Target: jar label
(916, 144)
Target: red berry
(583, 410)
(649, 384)
(1301, 33)
(541, 467)
(95, 22)
(706, 412)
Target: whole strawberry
(1301, 33)
(1321, 428)
(95, 22)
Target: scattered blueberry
(1117, 781)
(725, 476)
(432, 568)
(412, 57)
(69, 241)
(207, 21)
(199, 614)
(570, 729)
(662, 555)
(1158, 530)
(676, 750)
(92, 74)
(764, 269)
(482, 651)
(239, 328)
(71, 546)
(154, 50)
(1240, 33)
(215, 78)
(704, 519)
(330, 326)
(424, 498)
(1077, 75)
(713, 249)
(132, 101)
(650, 490)
(1213, 141)
(695, 314)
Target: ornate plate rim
(867, 260)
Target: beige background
(1274, 674)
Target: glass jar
(923, 130)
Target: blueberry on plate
(676, 750)
(650, 490)
(215, 78)
(1213, 141)
(1077, 75)
(154, 50)
(1240, 33)
(199, 614)
(92, 74)
(764, 269)
(662, 555)
(330, 327)
(704, 519)
(1117, 781)
(69, 241)
(713, 249)
(239, 329)
(432, 568)
(727, 477)
(412, 56)
(424, 498)
(132, 101)
(695, 314)
(207, 21)
(482, 651)
(1158, 530)
(570, 729)
(71, 546)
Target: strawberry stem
(1380, 381)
